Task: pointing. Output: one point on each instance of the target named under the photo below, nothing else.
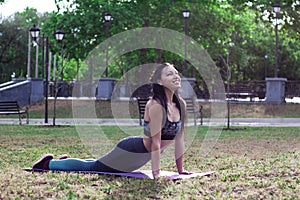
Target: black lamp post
(108, 18)
(35, 32)
(59, 35)
(276, 8)
(186, 15)
(265, 63)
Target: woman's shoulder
(152, 102)
(153, 108)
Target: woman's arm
(156, 117)
(155, 155)
(179, 144)
(179, 150)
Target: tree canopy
(242, 31)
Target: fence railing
(292, 89)
(241, 89)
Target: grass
(250, 163)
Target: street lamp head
(107, 17)
(59, 35)
(35, 31)
(276, 7)
(186, 13)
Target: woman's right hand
(156, 174)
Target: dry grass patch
(251, 163)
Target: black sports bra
(168, 132)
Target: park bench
(13, 108)
(142, 105)
(191, 105)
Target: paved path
(272, 122)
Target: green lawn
(250, 163)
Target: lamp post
(59, 35)
(186, 15)
(265, 63)
(108, 18)
(276, 8)
(35, 32)
(106, 85)
(275, 87)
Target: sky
(11, 6)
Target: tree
(12, 47)
(245, 30)
(14, 42)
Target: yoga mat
(136, 174)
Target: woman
(163, 122)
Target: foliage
(14, 43)
(243, 30)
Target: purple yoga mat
(137, 174)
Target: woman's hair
(159, 94)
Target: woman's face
(170, 78)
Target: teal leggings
(128, 155)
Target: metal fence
(240, 89)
